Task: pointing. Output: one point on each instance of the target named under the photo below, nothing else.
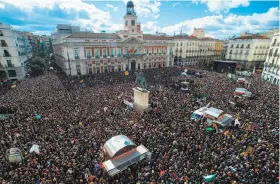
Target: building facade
(248, 51)
(218, 49)
(225, 48)
(34, 42)
(45, 44)
(83, 53)
(190, 50)
(15, 52)
(271, 70)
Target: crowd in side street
(74, 125)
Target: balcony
(9, 65)
(248, 47)
(88, 56)
(246, 53)
(119, 55)
(97, 56)
(104, 56)
(4, 45)
(77, 57)
(6, 55)
(112, 55)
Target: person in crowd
(74, 125)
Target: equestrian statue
(141, 81)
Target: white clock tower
(130, 19)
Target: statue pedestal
(141, 99)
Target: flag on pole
(209, 178)
(132, 51)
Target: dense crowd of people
(74, 125)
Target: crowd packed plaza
(60, 126)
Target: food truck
(242, 92)
(218, 116)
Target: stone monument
(141, 94)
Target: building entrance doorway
(133, 65)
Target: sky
(220, 18)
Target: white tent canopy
(123, 153)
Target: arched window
(6, 53)
(126, 23)
(132, 22)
